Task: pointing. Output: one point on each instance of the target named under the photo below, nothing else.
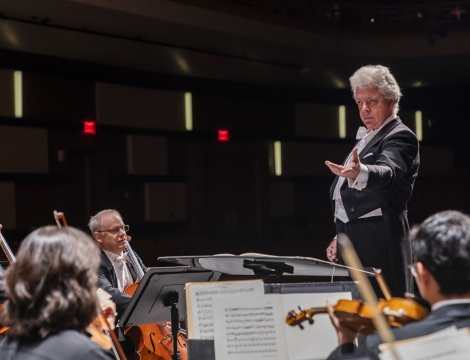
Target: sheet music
(444, 345)
(318, 340)
(249, 328)
(199, 303)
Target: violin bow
(351, 259)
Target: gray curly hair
(380, 77)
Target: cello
(152, 341)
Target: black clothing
(392, 158)
(442, 318)
(107, 281)
(66, 345)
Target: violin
(362, 317)
(99, 329)
(357, 315)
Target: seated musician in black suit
(51, 291)
(115, 273)
(441, 255)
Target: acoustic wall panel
(23, 150)
(7, 105)
(308, 159)
(147, 155)
(436, 160)
(165, 202)
(282, 199)
(316, 120)
(139, 107)
(8, 207)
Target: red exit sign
(224, 135)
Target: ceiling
(173, 38)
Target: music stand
(159, 289)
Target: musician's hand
(331, 252)
(351, 170)
(345, 334)
(108, 308)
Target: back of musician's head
(442, 244)
(52, 284)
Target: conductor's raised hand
(351, 170)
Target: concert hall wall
(184, 192)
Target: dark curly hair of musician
(442, 244)
(52, 284)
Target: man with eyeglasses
(441, 267)
(115, 273)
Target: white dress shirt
(361, 181)
(443, 303)
(123, 274)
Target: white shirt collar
(443, 303)
(112, 256)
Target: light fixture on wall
(342, 121)
(419, 125)
(18, 92)
(188, 110)
(277, 158)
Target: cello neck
(6, 249)
(133, 259)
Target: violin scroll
(294, 318)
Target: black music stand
(159, 289)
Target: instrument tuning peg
(301, 326)
(300, 308)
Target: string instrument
(357, 315)
(11, 259)
(99, 329)
(151, 341)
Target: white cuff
(361, 181)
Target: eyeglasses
(114, 231)
(412, 267)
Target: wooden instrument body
(153, 341)
(357, 315)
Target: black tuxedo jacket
(392, 158)
(107, 281)
(450, 315)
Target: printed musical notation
(249, 328)
(257, 332)
(201, 299)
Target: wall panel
(139, 107)
(23, 150)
